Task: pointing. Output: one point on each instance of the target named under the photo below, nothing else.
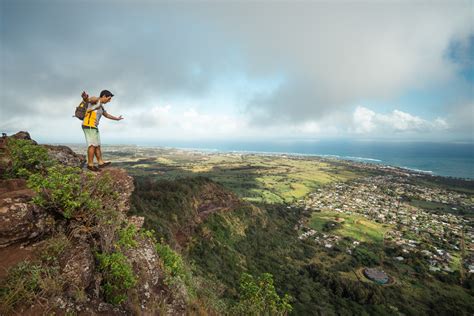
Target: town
(394, 202)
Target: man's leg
(90, 156)
(98, 155)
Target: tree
(259, 297)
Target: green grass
(353, 226)
(255, 178)
(29, 281)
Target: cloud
(138, 51)
(174, 122)
(334, 54)
(366, 121)
(461, 118)
(304, 64)
(157, 116)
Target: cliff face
(176, 208)
(82, 260)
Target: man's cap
(106, 93)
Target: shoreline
(364, 161)
(356, 160)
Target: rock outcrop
(78, 268)
(79, 277)
(122, 185)
(20, 220)
(23, 135)
(65, 155)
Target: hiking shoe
(104, 164)
(93, 168)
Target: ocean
(444, 159)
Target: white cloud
(366, 121)
(208, 125)
(441, 123)
(402, 121)
(156, 116)
(337, 53)
(177, 122)
(461, 118)
(309, 128)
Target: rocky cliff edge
(60, 256)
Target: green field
(255, 178)
(353, 226)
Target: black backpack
(81, 110)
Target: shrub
(331, 225)
(62, 189)
(118, 276)
(70, 191)
(127, 237)
(172, 261)
(259, 297)
(364, 256)
(27, 158)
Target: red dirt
(11, 255)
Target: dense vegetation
(26, 158)
(260, 238)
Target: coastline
(369, 161)
(355, 160)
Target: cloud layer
(367, 121)
(241, 69)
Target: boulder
(122, 186)
(21, 220)
(150, 291)
(23, 135)
(77, 268)
(65, 155)
(136, 221)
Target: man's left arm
(111, 117)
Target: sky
(240, 70)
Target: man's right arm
(86, 98)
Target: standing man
(95, 110)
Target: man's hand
(119, 118)
(85, 96)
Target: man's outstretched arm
(111, 117)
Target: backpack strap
(94, 107)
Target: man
(95, 111)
